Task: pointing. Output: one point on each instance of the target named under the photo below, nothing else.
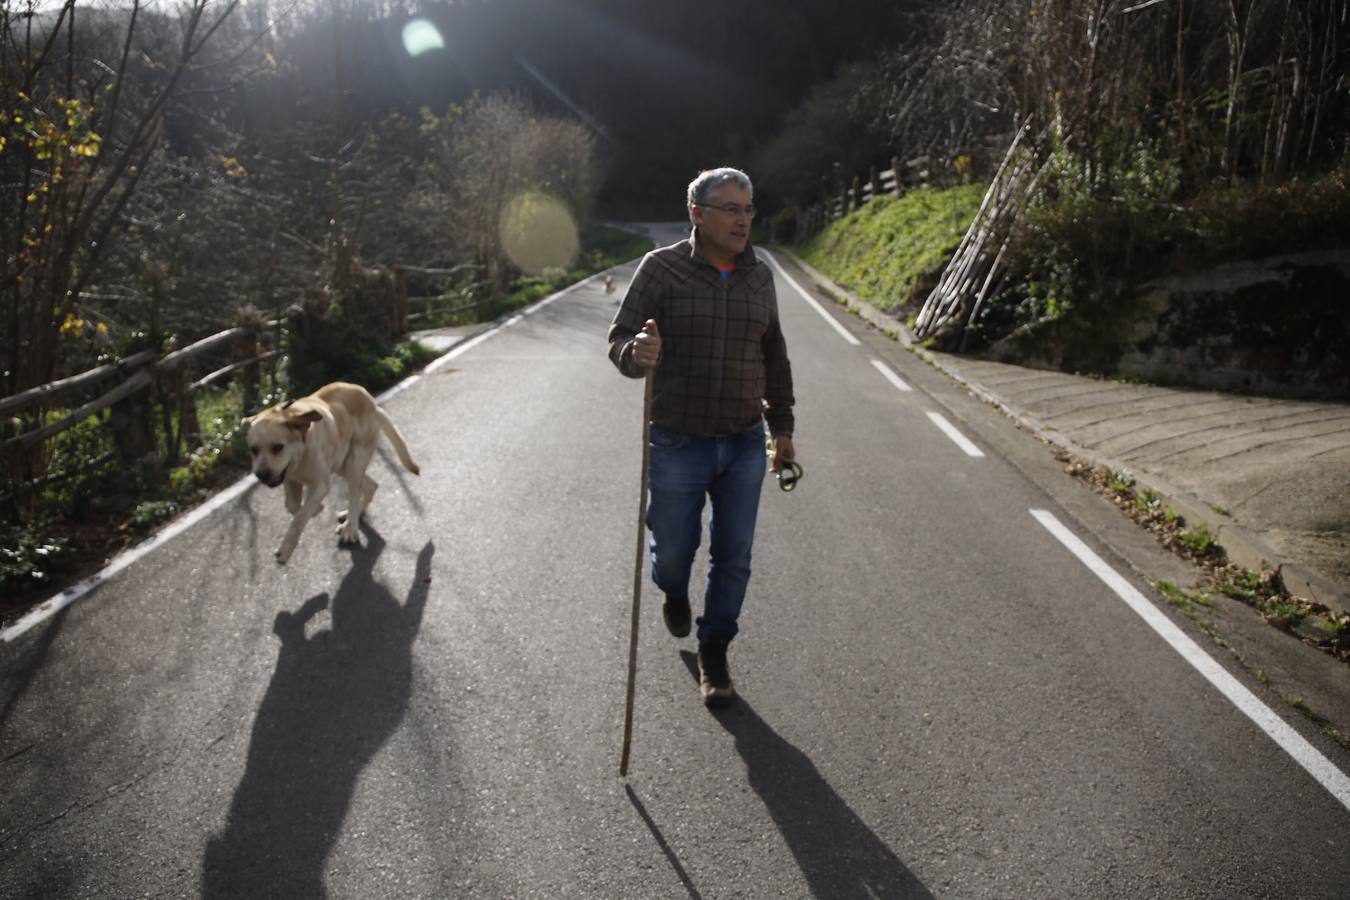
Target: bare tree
(499, 150)
(79, 127)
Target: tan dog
(305, 442)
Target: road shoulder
(1305, 686)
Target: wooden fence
(173, 376)
(838, 200)
(424, 308)
(169, 375)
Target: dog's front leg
(294, 491)
(360, 488)
(311, 507)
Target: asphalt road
(938, 699)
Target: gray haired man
(703, 317)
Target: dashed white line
(1289, 740)
(891, 376)
(843, 332)
(950, 430)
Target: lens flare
(538, 233)
(420, 36)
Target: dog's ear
(302, 422)
(245, 423)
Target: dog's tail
(392, 433)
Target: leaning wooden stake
(637, 574)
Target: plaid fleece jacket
(724, 363)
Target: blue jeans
(686, 468)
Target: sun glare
(420, 36)
(538, 233)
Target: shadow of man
(334, 700)
(836, 851)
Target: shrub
(150, 513)
(29, 555)
(1198, 540)
(82, 453)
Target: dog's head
(276, 439)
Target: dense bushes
(1075, 252)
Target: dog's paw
(348, 533)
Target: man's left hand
(782, 452)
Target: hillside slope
(892, 250)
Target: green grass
(1198, 539)
(892, 250)
(1174, 593)
(1185, 602)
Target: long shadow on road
(334, 699)
(836, 851)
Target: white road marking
(54, 605)
(891, 376)
(843, 332)
(950, 430)
(1289, 740)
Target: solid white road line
(891, 376)
(1304, 753)
(460, 349)
(843, 332)
(950, 430)
(53, 605)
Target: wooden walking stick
(637, 572)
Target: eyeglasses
(731, 209)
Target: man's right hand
(647, 346)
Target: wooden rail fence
(168, 374)
(838, 200)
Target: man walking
(703, 316)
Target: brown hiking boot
(714, 678)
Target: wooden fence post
(899, 182)
(163, 391)
(189, 427)
(400, 302)
(132, 425)
(252, 376)
(278, 331)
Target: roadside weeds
(1310, 622)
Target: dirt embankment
(1275, 327)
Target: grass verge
(893, 249)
